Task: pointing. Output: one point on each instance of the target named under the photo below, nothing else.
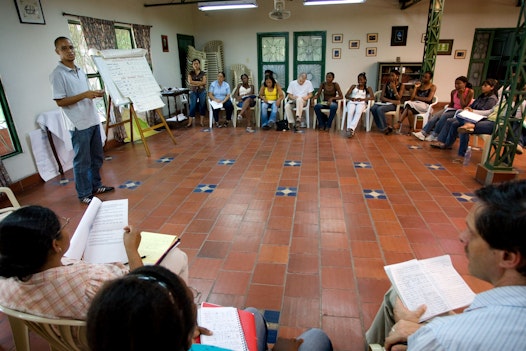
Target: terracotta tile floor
(300, 223)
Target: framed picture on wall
(164, 40)
(354, 44)
(337, 53)
(445, 46)
(30, 11)
(460, 54)
(337, 38)
(399, 36)
(370, 51)
(372, 37)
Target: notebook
(233, 329)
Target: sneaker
(225, 124)
(295, 128)
(218, 125)
(250, 130)
(431, 137)
(86, 200)
(271, 124)
(103, 189)
(348, 133)
(239, 117)
(303, 125)
(419, 135)
(265, 127)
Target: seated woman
(461, 97)
(197, 82)
(245, 98)
(421, 97)
(331, 94)
(38, 279)
(219, 92)
(271, 96)
(153, 309)
(357, 95)
(483, 105)
(391, 94)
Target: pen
(142, 258)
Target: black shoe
(266, 127)
(271, 124)
(86, 200)
(103, 189)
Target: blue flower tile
(362, 165)
(226, 162)
(414, 147)
(205, 188)
(465, 197)
(206, 130)
(286, 191)
(290, 163)
(434, 167)
(374, 194)
(108, 158)
(165, 160)
(130, 184)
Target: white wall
(27, 55)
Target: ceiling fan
(279, 12)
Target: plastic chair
(425, 116)
(337, 118)
(211, 113)
(367, 112)
(395, 115)
(14, 202)
(306, 109)
(61, 334)
(253, 109)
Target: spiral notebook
(229, 330)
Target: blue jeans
(378, 112)
(264, 112)
(443, 120)
(333, 107)
(313, 339)
(88, 160)
(201, 96)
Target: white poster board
(128, 78)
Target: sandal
(465, 130)
(438, 145)
(388, 131)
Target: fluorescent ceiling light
(331, 2)
(227, 5)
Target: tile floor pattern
(317, 256)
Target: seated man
(495, 245)
(299, 93)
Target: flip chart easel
(128, 80)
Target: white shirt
(300, 90)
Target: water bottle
(467, 156)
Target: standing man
(495, 244)
(299, 93)
(72, 94)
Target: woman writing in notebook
(153, 309)
(41, 281)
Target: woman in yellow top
(271, 95)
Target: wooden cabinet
(410, 72)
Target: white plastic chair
(280, 115)
(425, 116)
(339, 113)
(254, 109)
(211, 113)
(306, 110)
(367, 112)
(12, 198)
(61, 334)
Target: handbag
(282, 124)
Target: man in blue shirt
(73, 95)
(495, 244)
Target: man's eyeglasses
(65, 222)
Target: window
(9, 143)
(273, 54)
(84, 61)
(309, 56)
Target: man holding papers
(495, 245)
(38, 279)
